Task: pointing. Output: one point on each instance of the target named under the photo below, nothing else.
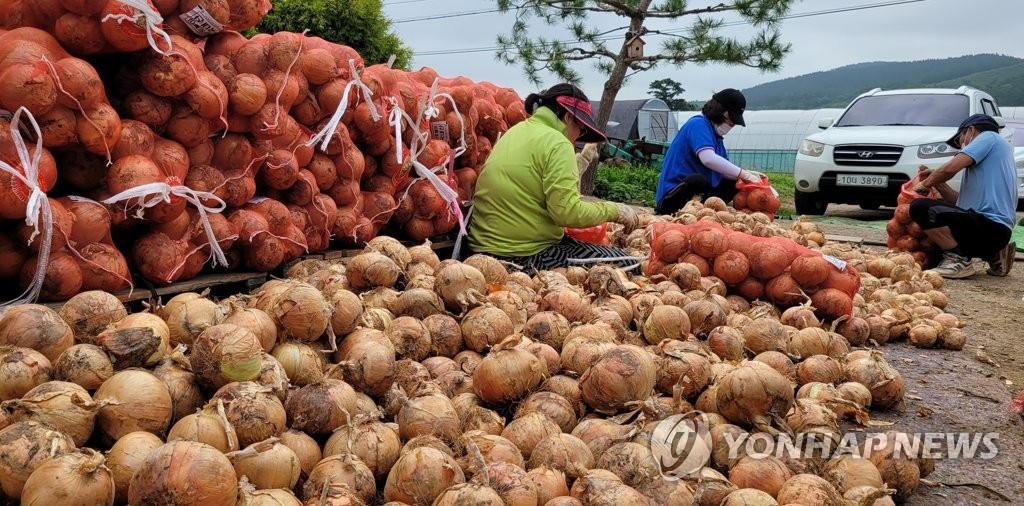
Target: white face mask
(723, 129)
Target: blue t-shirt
(681, 160)
(990, 185)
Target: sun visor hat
(983, 122)
(734, 102)
(584, 114)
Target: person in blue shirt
(977, 221)
(696, 162)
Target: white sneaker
(954, 266)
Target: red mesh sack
(756, 197)
(593, 235)
(903, 233)
(790, 273)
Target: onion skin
(268, 465)
(133, 400)
(421, 475)
(86, 365)
(21, 370)
(767, 474)
(225, 353)
(72, 479)
(127, 454)
(750, 393)
(253, 410)
(184, 472)
(64, 406)
(624, 374)
(26, 445)
(508, 374)
(36, 327)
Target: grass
(636, 184)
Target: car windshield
(907, 110)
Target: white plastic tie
(152, 194)
(37, 209)
(325, 134)
(152, 18)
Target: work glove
(750, 176)
(627, 217)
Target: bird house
(635, 47)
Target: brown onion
(631, 462)
(370, 270)
(300, 310)
(305, 447)
(421, 475)
(624, 374)
(455, 280)
(268, 465)
(187, 318)
(89, 313)
(564, 452)
(507, 373)
(882, 379)
(301, 363)
(429, 412)
(418, 303)
(64, 406)
(367, 359)
(133, 400)
(35, 327)
(209, 426)
(348, 310)
(765, 473)
(86, 365)
(126, 456)
(26, 445)
(445, 335)
(79, 477)
(181, 384)
(376, 444)
(526, 431)
(320, 408)
(225, 353)
(21, 370)
(485, 326)
(751, 392)
(184, 472)
(549, 483)
(253, 410)
(258, 322)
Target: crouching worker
(976, 222)
(528, 189)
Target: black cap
(734, 102)
(983, 122)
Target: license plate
(862, 180)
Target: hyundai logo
(865, 154)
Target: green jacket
(528, 191)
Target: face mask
(723, 129)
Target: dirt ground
(965, 391)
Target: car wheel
(809, 203)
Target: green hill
(998, 75)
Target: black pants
(693, 185)
(976, 235)
(559, 255)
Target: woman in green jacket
(528, 190)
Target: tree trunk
(611, 90)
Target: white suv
(878, 143)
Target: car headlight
(811, 148)
(936, 150)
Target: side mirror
(825, 123)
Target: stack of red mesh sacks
(774, 269)
(903, 233)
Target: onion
(89, 313)
(418, 303)
(593, 482)
(600, 434)
(209, 426)
(376, 444)
(480, 449)
(64, 406)
(562, 452)
(126, 456)
(347, 311)
(898, 468)
(819, 368)
(849, 472)
(258, 322)
(249, 496)
(469, 493)
(371, 270)
(765, 334)
(632, 462)
(510, 481)
(727, 343)
(749, 497)
(187, 318)
(81, 475)
(445, 335)
(27, 445)
(225, 353)
(301, 363)
(478, 418)
(300, 311)
(421, 475)
(877, 375)
(149, 325)
(429, 413)
(455, 280)
(485, 326)
(585, 345)
(549, 483)
(507, 373)
(528, 430)
(182, 385)
(184, 472)
(410, 338)
(705, 316)
(765, 473)
(411, 375)
(569, 303)
(35, 327)
(267, 465)
(801, 317)
(133, 400)
(321, 407)
(753, 392)
(253, 410)
(424, 253)
(132, 346)
(624, 374)
(272, 376)
(856, 393)
(367, 357)
(86, 365)
(305, 448)
(552, 405)
(683, 374)
(666, 322)
(512, 304)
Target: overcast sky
(822, 39)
